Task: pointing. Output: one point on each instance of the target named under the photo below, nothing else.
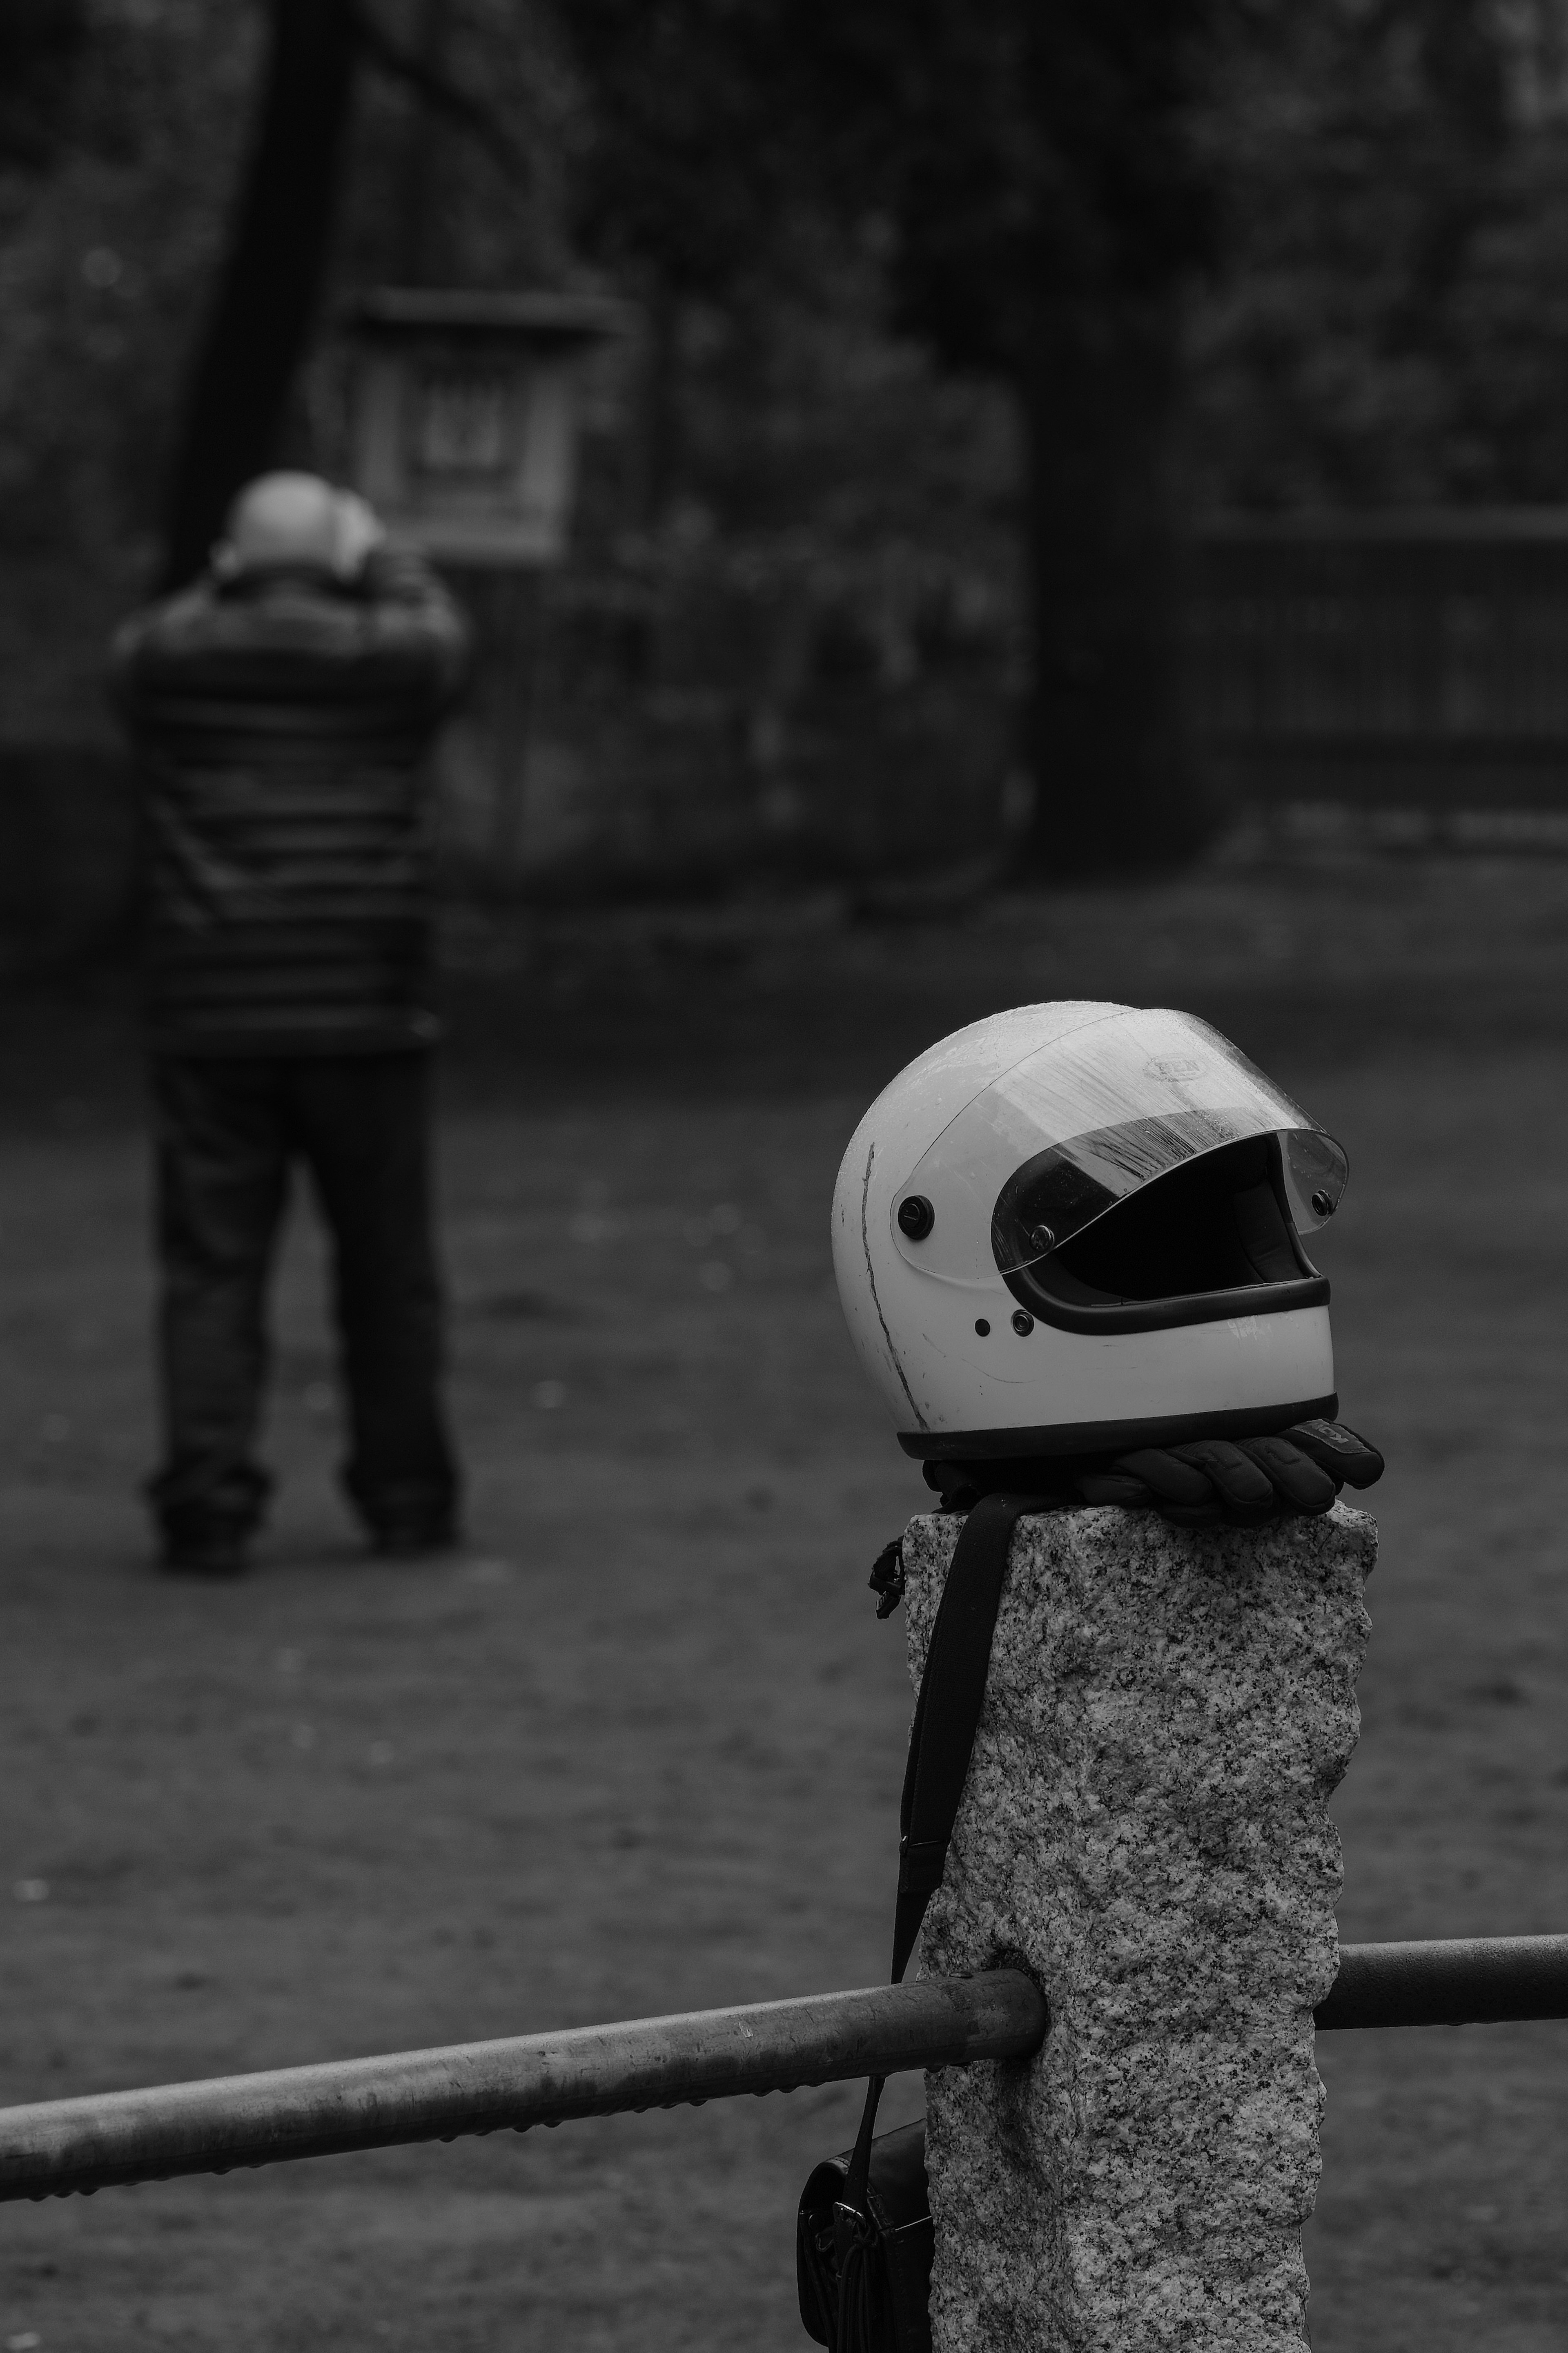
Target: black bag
(864, 2236)
(897, 2278)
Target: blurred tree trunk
(1050, 208)
(416, 259)
(1106, 737)
(262, 314)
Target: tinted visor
(1095, 1116)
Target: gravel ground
(638, 1748)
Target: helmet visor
(1094, 1116)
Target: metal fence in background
(1413, 659)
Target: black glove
(1245, 1480)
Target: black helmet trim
(1111, 1436)
(1212, 1238)
(1166, 1315)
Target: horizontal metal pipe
(1462, 1981)
(56, 2146)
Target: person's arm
(412, 613)
(394, 631)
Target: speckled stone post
(1144, 1828)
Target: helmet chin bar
(1210, 1240)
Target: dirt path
(640, 1748)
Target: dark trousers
(227, 1132)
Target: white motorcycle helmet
(1076, 1229)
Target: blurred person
(281, 709)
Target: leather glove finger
(1338, 1450)
(1105, 1487)
(1301, 1485)
(1246, 1493)
(1115, 1487)
(1182, 1493)
(1172, 1481)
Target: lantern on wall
(465, 413)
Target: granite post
(1145, 1829)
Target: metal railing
(1456, 1981)
(1414, 656)
(57, 2146)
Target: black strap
(941, 1740)
(952, 1692)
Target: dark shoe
(214, 1557)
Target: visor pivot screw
(1042, 1240)
(916, 1217)
(1022, 1322)
(1322, 1205)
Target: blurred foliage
(1387, 322)
(1023, 156)
(473, 192)
(687, 174)
(836, 218)
(39, 44)
(112, 218)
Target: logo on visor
(1173, 1066)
